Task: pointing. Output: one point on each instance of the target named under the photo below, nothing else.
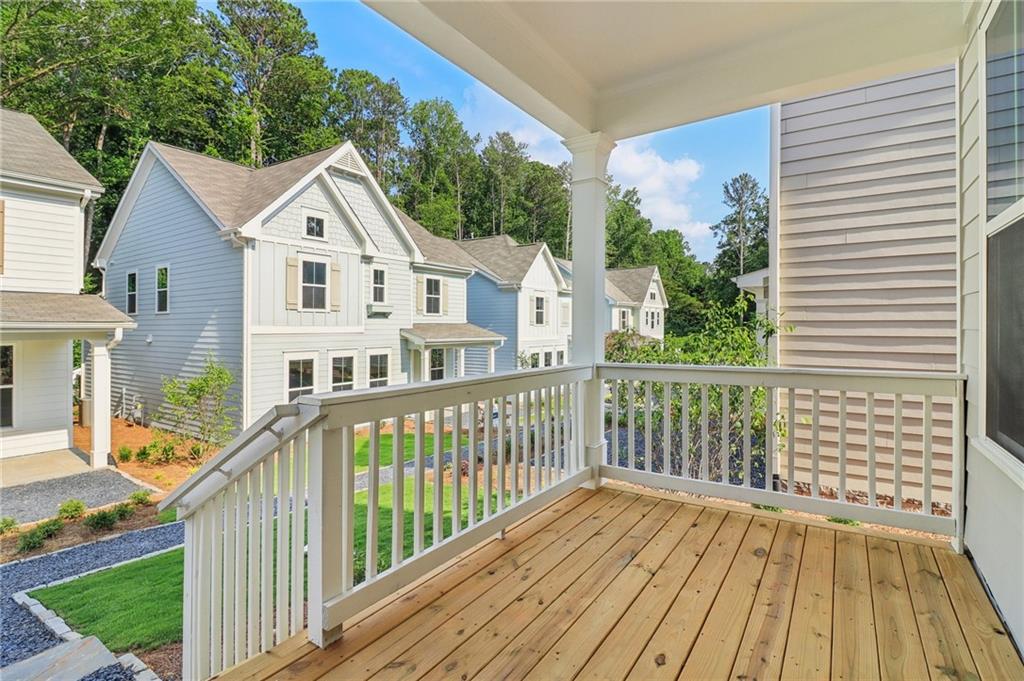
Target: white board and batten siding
(42, 398)
(867, 260)
(551, 336)
(168, 228)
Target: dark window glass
(6, 386)
(300, 378)
(343, 373)
(378, 371)
(436, 364)
(1004, 102)
(132, 301)
(538, 311)
(378, 285)
(314, 285)
(1005, 339)
(547, 359)
(535, 360)
(433, 294)
(314, 227)
(561, 358)
(163, 284)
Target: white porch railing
(273, 522)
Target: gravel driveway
(38, 500)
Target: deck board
(614, 584)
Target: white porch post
(100, 404)
(462, 362)
(589, 195)
(490, 359)
(328, 487)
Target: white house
(44, 205)
(300, 277)
(635, 298)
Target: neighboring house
(518, 292)
(864, 242)
(44, 208)
(636, 299)
(299, 277)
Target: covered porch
(439, 351)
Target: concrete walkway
(21, 470)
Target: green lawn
(386, 444)
(138, 606)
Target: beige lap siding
(867, 265)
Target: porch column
(462, 362)
(100, 404)
(490, 359)
(589, 195)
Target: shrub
(201, 405)
(7, 524)
(123, 511)
(50, 527)
(140, 497)
(165, 452)
(142, 454)
(31, 540)
(72, 509)
(100, 521)
(124, 453)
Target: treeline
(245, 83)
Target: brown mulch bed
(75, 532)
(165, 661)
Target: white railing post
(959, 469)
(326, 510)
(590, 154)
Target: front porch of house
(623, 582)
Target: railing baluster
(204, 551)
(684, 429)
(872, 498)
(513, 434)
(283, 530)
(897, 453)
(725, 431)
(456, 469)
(252, 613)
(419, 517)
(666, 428)
(746, 473)
(348, 501)
(373, 500)
(267, 554)
(397, 490)
(229, 590)
(298, 531)
(471, 431)
(216, 590)
(560, 462)
(926, 482)
(791, 443)
(488, 458)
(842, 445)
(241, 558)
(648, 429)
(771, 446)
(704, 449)
(614, 458)
(538, 446)
(438, 483)
(499, 453)
(527, 467)
(631, 423)
(549, 434)
(815, 442)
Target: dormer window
(315, 226)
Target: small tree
(200, 406)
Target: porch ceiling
(630, 68)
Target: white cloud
(664, 184)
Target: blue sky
(679, 172)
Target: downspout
(116, 340)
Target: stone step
(68, 661)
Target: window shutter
(421, 292)
(444, 296)
(335, 287)
(291, 283)
(533, 310)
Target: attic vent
(348, 162)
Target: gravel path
(38, 500)
(21, 634)
(114, 672)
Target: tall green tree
(502, 159)
(626, 228)
(742, 237)
(370, 111)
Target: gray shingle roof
(435, 249)
(235, 193)
(28, 151)
(633, 282)
(448, 333)
(27, 308)
(502, 256)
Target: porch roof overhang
(451, 335)
(629, 68)
(34, 314)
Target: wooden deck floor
(615, 585)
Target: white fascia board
(463, 272)
(43, 184)
(545, 252)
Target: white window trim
(623, 319)
(291, 357)
(991, 449)
(370, 352)
(15, 357)
(440, 296)
(384, 269)
(543, 309)
(444, 363)
(325, 260)
(126, 292)
(331, 355)
(315, 213)
(157, 289)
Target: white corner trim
(1000, 458)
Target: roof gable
(634, 282)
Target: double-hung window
(314, 285)
(547, 358)
(6, 386)
(561, 357)
(623, 319)
(538, 310)
(1004, 228)
(301, 377)
(437, 364)
(343, 372)
(432, 296)
(163, 289)
(535, 360)
(379, 285)
(378, 366)
(315, 224)
(131, 299)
